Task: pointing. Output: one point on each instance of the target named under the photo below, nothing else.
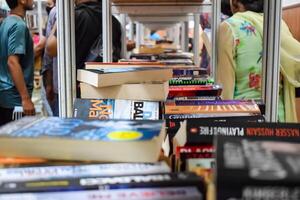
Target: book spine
(203, 132)
(141, 181)
(57, 172)
(202, 109)
(217, 102)
(170, 193)
(193, 94)
(258, 192)
(191, 88)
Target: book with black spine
(257, 168)
(194, 132)
(161, 180)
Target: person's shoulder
(14, 22)
(52, 12)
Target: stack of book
(60, 159)
(249, 160)
(124, 82)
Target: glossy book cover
(104, 109)
(90, 130)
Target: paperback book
(80, 171)
(142, 92)
(118, 76)
(169, 193)
(104, 109)
(84, 140)
(161, 180)
(194, 132)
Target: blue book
(83, 140)
(103, 109)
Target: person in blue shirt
(16, 61)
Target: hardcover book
(257, 168)
(118, 76)
(116, 109)
(84, 140)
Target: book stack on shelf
(247, 160)
(89, 159)
(124, 82)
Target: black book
(257, 168)
(118, 182)
(195, 132)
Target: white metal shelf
(153, 9)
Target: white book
(171, 193)
(61, 172)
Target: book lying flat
(170, 193)
(127, 64)
(83, 140)
(145, 91)
(119, 76)
(84, 170)
(213, 109)
(194, 91)
(116, 109)
(158, 180)
(195, 132)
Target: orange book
(206, 109)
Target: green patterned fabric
(248, 46)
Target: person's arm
(51, 44)
(38, 49)
(226, 63)
(17, 47)
(16, 72)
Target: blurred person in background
(88, 30)
(16, 62)
(50, 67)
(240, 49)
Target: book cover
(116, 109)
(86, 140)
(161, 180)
(257, 168)
(194, 132)
(80, 171)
